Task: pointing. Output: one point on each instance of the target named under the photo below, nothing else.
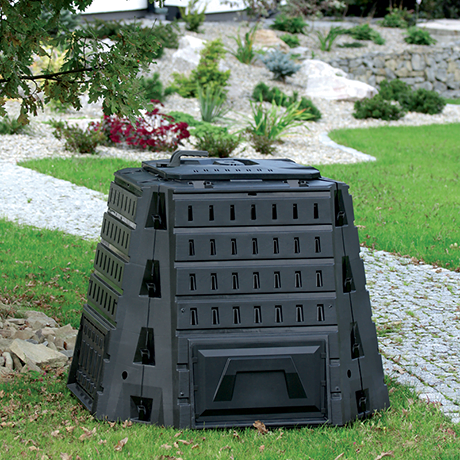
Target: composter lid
(227, 168)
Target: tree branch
(52, 76)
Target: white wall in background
(111, 6)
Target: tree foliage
(104, 70)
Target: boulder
(327, 82)
(39, 355)
(266, 38)
(189, 50)
(8, 360)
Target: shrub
(326, 41)
(395, 90)
(291, 40)
(192, 17)
(377, 107)
(264, 93)
(245, 46)
(365, 32)
(352, 45)
(220, 144)
(424, 101)
(397, 17)
(78, 139)
(153, 88)
(11, 126)
(206, 74)
(280, 64)
(417, 36)
(167, 34)
(291, 24)
(155, 131)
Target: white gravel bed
(415, 306)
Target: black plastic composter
(227, 291)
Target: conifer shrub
(291, 40)
(153, 88)
(377, 107)
(265, 93)
(280, 64)
(425, 101)
(207, 73)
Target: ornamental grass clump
(327, 40)
(280, 64)
(154, 131)
(245, 52)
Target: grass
(40, 419)
(408, 201)
(44, 270)
(453, 101)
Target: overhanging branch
(52, 76)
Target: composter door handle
(176, 156)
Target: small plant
(395, 90)
(81, 140)
(206, 74)
(212, 103)
(280, 64)
(192, 17)
(11, 126)
(217, 144)
(154, 131)
(291, 24)
(377, 107)
(291, 40)
(245, 46)
(326, 41)
(262, 144)
(153, 88)
(425, 101)
(365, 32)
(309, 110)
(417, 36)
(352, 45)
(397, 17)
(273, 123)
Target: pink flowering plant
(154, 131)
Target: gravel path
(416, 308)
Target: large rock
(39, 355)
(189, 50)
(265, 38)
(327, 82)
(38, 320)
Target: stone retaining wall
(433, 68)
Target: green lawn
(453, 101)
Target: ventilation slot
(320, 313)
(235, 283)
(212, 247)
(156, 216)
(319, 278)
(255, 248)
(297, 245)
(211, 212)
(214, 282)
(274, 212)
(193, 317)
(276, 246)
(232, 212)
(234, 248)
(257, 315)
(215, 316)
(236, 315)
(299, 314)
(278, 314)
(145, 351)
(277, 280)
(102, 297)
(151, 282)
(298, 279)
(295, 212)
(255, 281)
(190, 213)
(315, 211)
(192, 282)
(253, 212)
(317, 244)
(191, 247)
